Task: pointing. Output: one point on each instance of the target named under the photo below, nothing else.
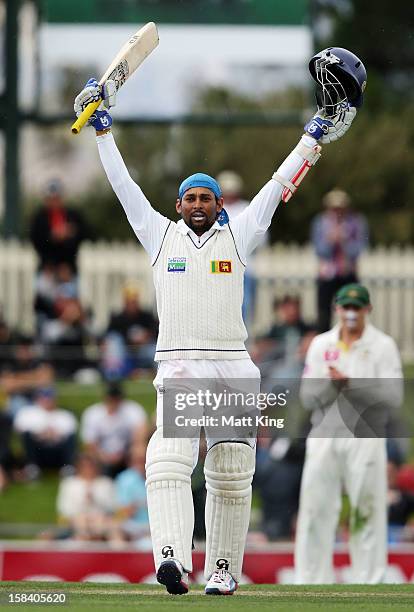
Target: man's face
(48, 403)
(131, 304)
(199, 208)
(289, 312)
(353, 317)
(113, 403)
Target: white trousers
(229, 369)
(359, 466)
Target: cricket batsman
(198, 266)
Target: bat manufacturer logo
(222, 564)
(133, 39)
(120, 74)
(167, 551)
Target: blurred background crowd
(76, 402)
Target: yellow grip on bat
(84, 116)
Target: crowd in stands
(100, 462)
(101, 459)
(65, 335)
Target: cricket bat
(128, 59)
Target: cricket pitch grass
(150, 598)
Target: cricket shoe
(221, 583)
(172, 575)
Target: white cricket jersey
(374, 357)
(199, 291)
(198, 279)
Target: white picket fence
(104, 268)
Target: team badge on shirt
(220, 266)
(331, 354)
(177, 264)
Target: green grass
(32, 502)
(76, 398)
(149, 598)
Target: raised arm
(252, 223)
(249, 227)
(148, 224)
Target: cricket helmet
(341, 78)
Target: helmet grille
(331, 95)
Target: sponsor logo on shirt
(220, 266)
(331, 355)
(177, 264)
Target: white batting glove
(326, 130)
(92, 92)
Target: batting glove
(326, 130)
(92, 92)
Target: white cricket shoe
(172, 575)
(221, 583)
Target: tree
(381, 34)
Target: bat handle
(84, 116)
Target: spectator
(281, 352)
(131, 335)
(23, 375)
(53, 283)
(67, 337)
(45, 295)
(131, 496)
(56, 230)
(339, 236)
(48, 434)
(232, 188)
(85, 502)
(109, 428)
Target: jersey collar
(183, 228)
(365, 337)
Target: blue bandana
(200, 180)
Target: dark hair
(286, 299)
(114, 389)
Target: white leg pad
(170, 504)
(229, 469)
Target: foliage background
(374, 162)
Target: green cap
(353, 294)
